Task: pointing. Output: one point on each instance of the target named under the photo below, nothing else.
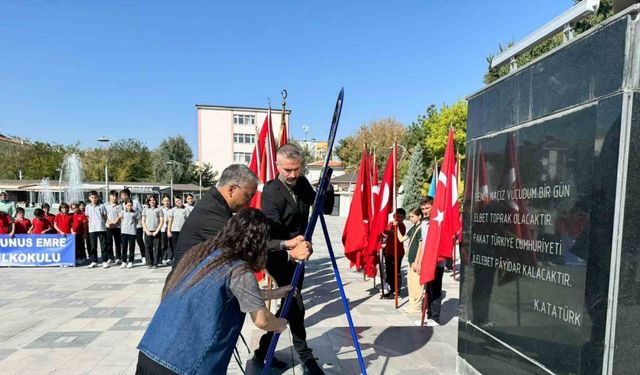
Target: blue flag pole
(343, 296)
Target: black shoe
(389, 295)
(311, 367)
(275, 362)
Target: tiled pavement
(89, 321)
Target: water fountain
(45, 195)
(72, 173)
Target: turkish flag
(356, 229)
(383, 213)
(263, 159)
(444, 222)
(284, 135)
(263, 163)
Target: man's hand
(290, 244)
(301, 251)
(278, 292)
(282, 325)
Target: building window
(244, 119)
(242, 157)
(244, 138)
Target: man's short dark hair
(126, 191)
(290, 151)
(93, 192)
(401, 211)
(426, 200)
(113, 193)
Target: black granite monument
(550, 276)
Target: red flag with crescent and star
(263, 159)
(356, 229)
(444, 222)
(382, 214)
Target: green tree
(93, 162)
(13, 162)
(438, 124)
(206, 172)
(130, 161)
(414, 179)
(42, 160)
(377, 135)
(173, 158)
(605, 10)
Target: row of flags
(369, 201)
(263, 160)
(372, 211)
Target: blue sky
(71, 71)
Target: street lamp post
(106, 167)
(172, 162)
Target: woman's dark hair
(45, 205)
(152, 196)
(63, 205)
(244, 237)
(38, 212)
(417, 211)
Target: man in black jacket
(286, 201)
(234, 190)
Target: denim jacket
(195, 331)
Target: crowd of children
(115, 226)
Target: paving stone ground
(89, 321)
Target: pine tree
(415, 179)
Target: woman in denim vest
(198, 322)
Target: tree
(438, 124)
(415, 178)
(173, 158)
(605, 10)
(206, 172)
(130, 161)
(33, 161)
(13, 161)
(378, 135)
(93, 162)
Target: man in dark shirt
(286, 201)
(236, 187)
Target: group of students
(116, 226)
(415, 238)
